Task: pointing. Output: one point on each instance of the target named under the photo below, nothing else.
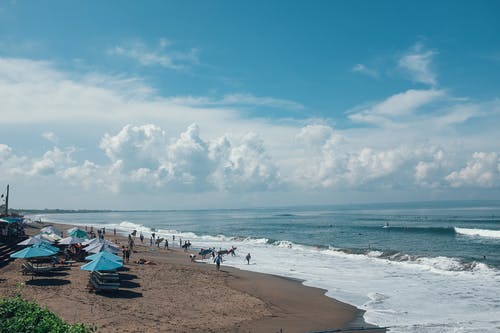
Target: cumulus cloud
(51, 162)
(417, 63)
(140, 155)
(248, 167)
(137, 146)
(483, 170)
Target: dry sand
(177, 295)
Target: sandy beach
(177, 295)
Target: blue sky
(223, 104)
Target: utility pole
(7, 202)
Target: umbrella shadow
(126, 276)
(120, 294)
(129, 284)
(47, 282)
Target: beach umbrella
(48, 246)
(51, 230)
(105, 254)
(72, 229)
(52, 237)
(37, 239)
(78, 233)
(33, 252)
(70, 240)
(102, 247)
(101, 264)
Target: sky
(223, 104)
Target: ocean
(426, 267)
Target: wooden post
(7, 202)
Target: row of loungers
(101, 281)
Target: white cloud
(248, 167)
(482, 171)
(52, 161)
(160, 56)
(397, 107)
(417, 64)
(50, 136)
(153, 147)
(360, 68)
(137, 146)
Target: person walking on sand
(218, 260)
(166, 243)
(248, 258)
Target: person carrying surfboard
(218, 260)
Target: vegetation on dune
(18, 315)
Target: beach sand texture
(177, 295)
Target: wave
(426, 230)
(478, 232)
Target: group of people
(154, 240)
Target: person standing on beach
(218, 261)
(141, 238)
(166, 243)
(248, 258)
(127, 254)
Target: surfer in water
(248, 258)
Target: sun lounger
(28, 268)
(101, 282)
(107, 277)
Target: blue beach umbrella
(101, 264)
(48, 246)
(79, 233)
(34, 251)
(105, 254)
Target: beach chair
(102, 282)
(28, 269)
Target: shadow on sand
(47, 282)
(125, 276)
(129, 284)
(120, 294)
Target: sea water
(414, 268)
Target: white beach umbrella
(37, 239)
(70, 240)
(51, 230)
(102, 247)
(52, 237)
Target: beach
(177, 295)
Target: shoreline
(233, 300)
